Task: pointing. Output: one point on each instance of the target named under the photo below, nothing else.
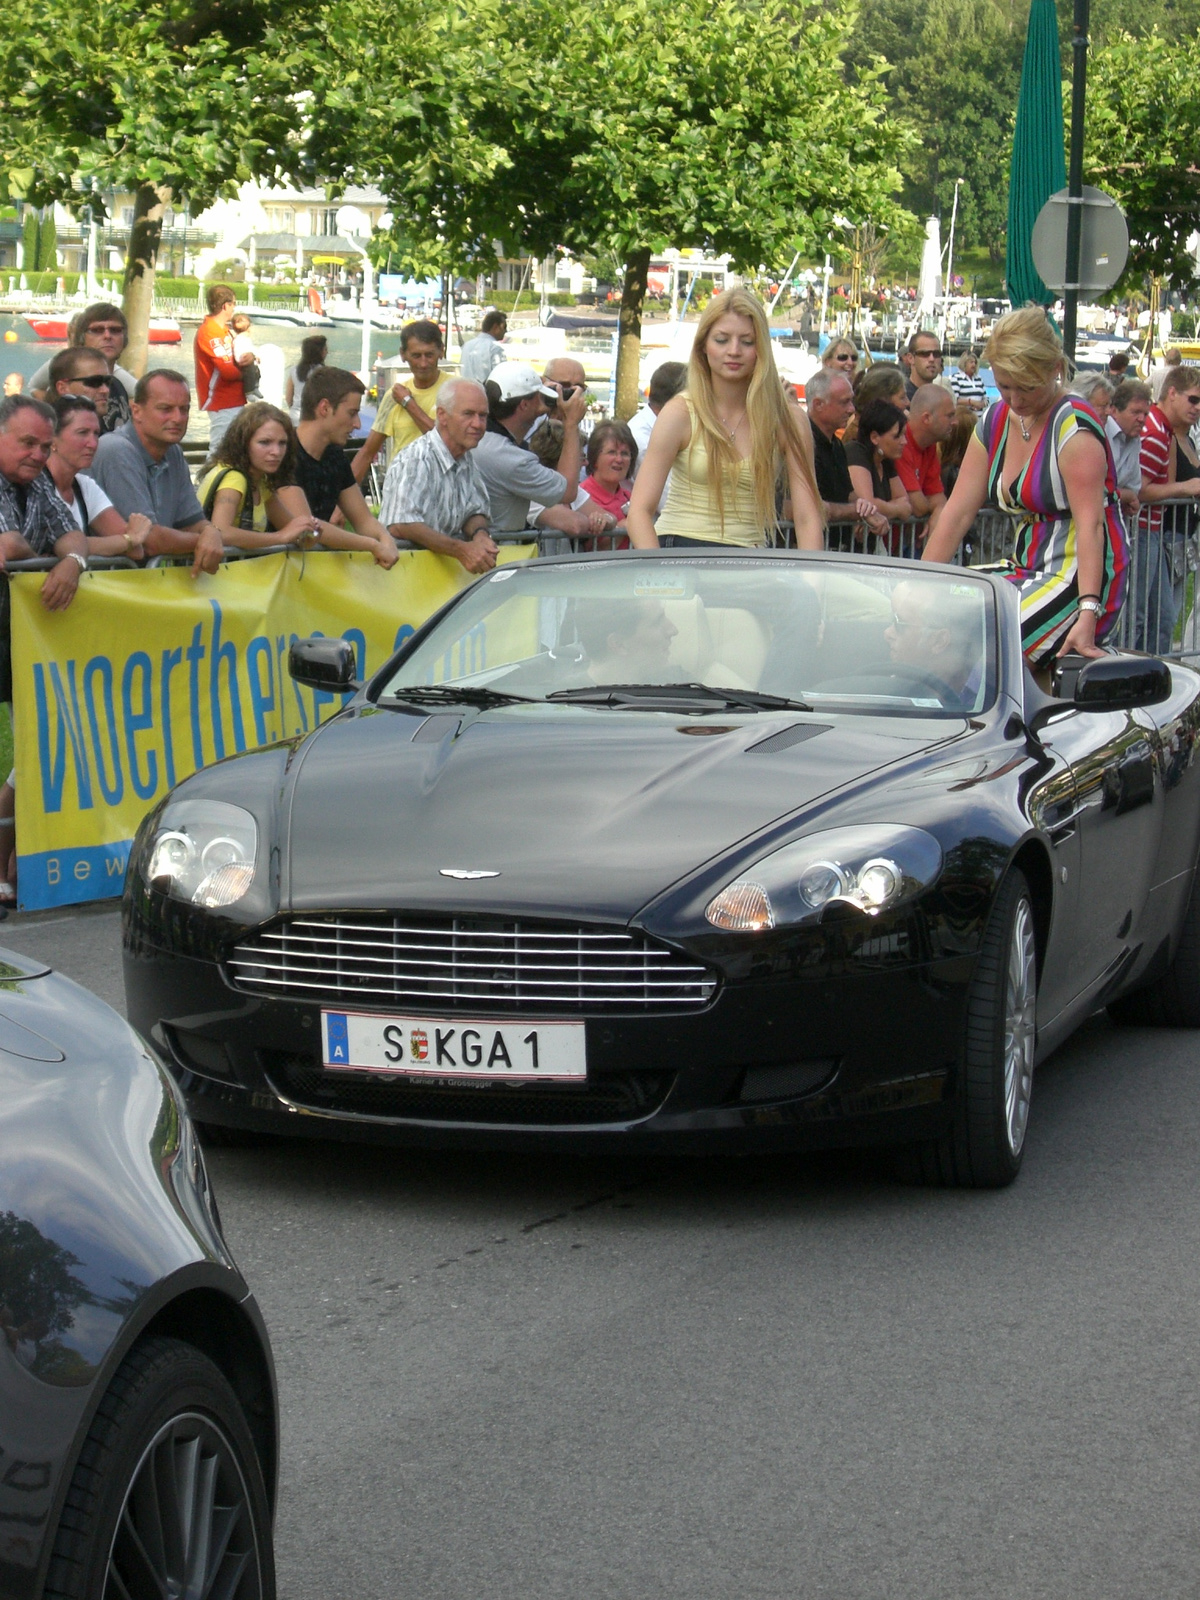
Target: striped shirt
(37, 512)
(425, 483)
(971, 391)
(1155, 454)
(1155, 458)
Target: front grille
(622, 1097)
(468, 965)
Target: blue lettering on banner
(226, 653)
(139, 722)
(52, 878)
(262, 696)
(195, 654)
(66, 716)
(337, 1038)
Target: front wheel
(985, 1146)
(168, 1496)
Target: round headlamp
(204, 851)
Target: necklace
(732, 432)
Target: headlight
(204, 852)
(871, 869)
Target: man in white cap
(512, 474)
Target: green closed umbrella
(1038, 165)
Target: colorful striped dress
(1044, 566)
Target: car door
(1118, 815)
(1049, 802)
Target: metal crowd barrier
(1159, 614)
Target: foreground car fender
(108, 1236)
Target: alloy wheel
(1020, 1026)
(186, 1530)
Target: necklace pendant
(1024, 430)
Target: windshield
(856, 636)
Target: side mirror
(324, 664)
(1114, 683)
(1105, 683)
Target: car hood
(572, 808)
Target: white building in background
(285, 230)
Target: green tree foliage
(181, 98)
(954, 72)
(1143, 146)
(709, 123)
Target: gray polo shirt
(134, 481)
(513, 476)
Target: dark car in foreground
(138, 1429)
(774, 849)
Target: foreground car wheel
(984, 1149)
(167, 1498)
(1174, 1000)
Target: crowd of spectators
(718, 450)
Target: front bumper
(852, 1056)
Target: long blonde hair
(768, 412)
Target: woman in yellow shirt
(239, 488)
(724, 442)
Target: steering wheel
(903, 670)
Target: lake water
(27, 352)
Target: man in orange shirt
(219, 388)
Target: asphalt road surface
(514, 1378)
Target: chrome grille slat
(477, 963)
(648, 975)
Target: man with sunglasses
(103, 328)
(923, 358)
(82, 372)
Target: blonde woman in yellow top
(723, 443)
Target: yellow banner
(149, 675)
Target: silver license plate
(431, 1047)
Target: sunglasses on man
(98, 380)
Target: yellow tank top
(690, 511)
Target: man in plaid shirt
(34, 519)
(433, 495)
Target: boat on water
(55, 326)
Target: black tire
(168, 1421)
(1172, 1001)
(985, 1147)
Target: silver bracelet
(73, 555)
(1093, 606)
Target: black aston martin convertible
(672, 846)
(138, 1427)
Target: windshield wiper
(618, 694)
(445, 694)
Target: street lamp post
(1079, 48)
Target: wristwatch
(74, 555)
(407, 401)
(1093, 606)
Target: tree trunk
(144, 238)
(629, 334)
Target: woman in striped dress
(1042, 456)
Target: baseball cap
(517, 379)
